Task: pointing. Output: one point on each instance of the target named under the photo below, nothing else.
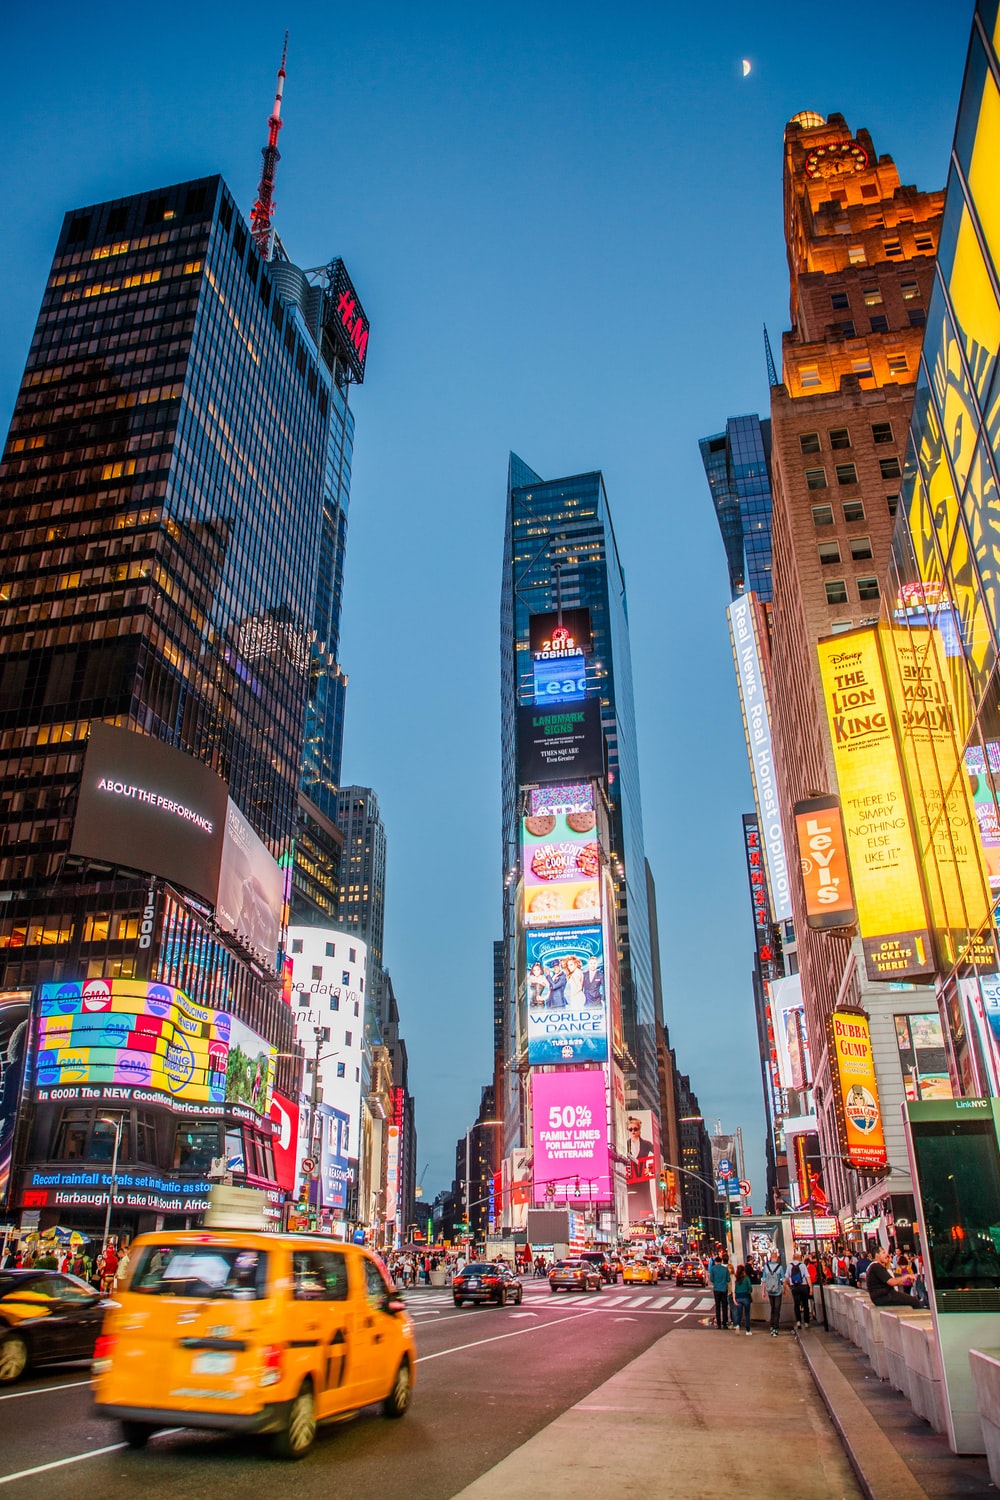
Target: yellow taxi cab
(638, 1270)
(252, 1332)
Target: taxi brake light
(103, 1350)
(273, 1364)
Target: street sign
(309, 1164)
(726, 1167)
(744, 1187)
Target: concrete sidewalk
(701, 1414)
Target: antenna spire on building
(263, 209)
(772, 374)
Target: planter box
(985, 1366)
(920, 1354)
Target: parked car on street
(46, 1316)
(575, 1276)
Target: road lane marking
(495, 1339)
(661, 1302)
(685, 1302)
(76, 1458)
(614, 1301)
(40, 1390)
(638, 1301)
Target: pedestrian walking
(743, 1298)
(801, 1289)
(720, 1276)
(773, 1282)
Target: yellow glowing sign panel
(887, 891)
(858, 1113)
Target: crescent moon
(746, 66)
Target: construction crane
(263, 209)
(418, 1191)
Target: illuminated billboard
(123, 1038)
(559, 679)
(559, 744)
(251, 887)
(147, 806)
(561, 861)
(569, 1127)
(285, 1141)
(885, 870)
(567, 1013)
(922, 1056)
(788, 1020)
(856, 1091)
(757, 724)
(576, 797)
(826, 875)
(560, 633)
(642, 1164)
(982, 763)
(15, 1011)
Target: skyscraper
(361, 897)
(561, 563)
(738, 469)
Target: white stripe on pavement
(76, 1458)
(614, 1301)
(685, 1302)
(40, 1390)
(638, 1301)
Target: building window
(317, 971)
(861, 548)
(847, 331)
(829, 552)
(303, 999)
(341, 1070)
(868, 588)
(917, 317)
(837, 627)
(898, 364)
(840, 437)
(809, 442)
(856, 255)
(348, 1038)
(836, 592)
(879, 324)
(145, 1137)
(816, 479)
(892, 504)
(924, 243)
(862, 367)
(890, 468)
(847, 474)
(872, 296)
(881, 432)
(345, 977)
(853, 510)
(296, 945)
(352, 955)
(822, 515)
(195, 1147)
(331, 949)
(809, 377)
(892, 247)
(839, 300)
(71, 1137)
(910, 290)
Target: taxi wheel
(137, 1434)
(398, 1399)
(295, 1438)
(13, 1358)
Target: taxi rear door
(322, 1327)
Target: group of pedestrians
(889, 1278)
(104, 1271)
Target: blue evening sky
(565, 223)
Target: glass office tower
(560, 551)
(738, 468)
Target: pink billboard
(570, 1134)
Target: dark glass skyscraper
(560, 551)
(738, 468)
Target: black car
(600, 1259)
(46, 1316)
(481, 1281)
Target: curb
(881, 1472)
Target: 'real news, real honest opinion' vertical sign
(878, 827)
(757, 724)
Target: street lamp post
(118, 1125)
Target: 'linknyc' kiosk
(954, 1149)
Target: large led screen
(112, 1038)
(150, 807)
(569, 1129)
(560, 679)
(564, 633)
(567, 1000)
(561, 860)
(576, 797)
(251, 887)
(15, 1009)
(642, 1164)
(559, 744)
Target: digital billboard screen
(561, 861)
(567, 1013)
(150, 807)
(826, 876)
(856, 1091)
(570, 1135)
(642, 1164)
(15, 1010)
(560, 633)
(559, 744)
(574, 797)
(102, 1037)
(559, 680)
(251, 887)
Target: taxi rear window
(224, 1271)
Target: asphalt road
(487, 1380)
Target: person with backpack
(720, 1275)
(742, 1298)
(773, 1282)
(841, 1269)
(801, 1288)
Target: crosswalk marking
(638, 1301)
